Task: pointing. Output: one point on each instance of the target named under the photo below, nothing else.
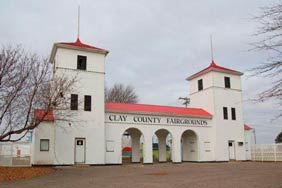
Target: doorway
(79, 151)
(189, 142)
(132, 146)
(162, 141)
(231, 149)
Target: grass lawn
(127, 159)
(156, 155)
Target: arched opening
(189, 146)
(162, 141)
(132, 146)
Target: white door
(231, 147)
(79, 150)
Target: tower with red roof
(87, 64)
(218, 90)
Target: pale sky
(154, 44)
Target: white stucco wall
(46, 130)
(67, 58)
(65, 142)
(207, 82)
(213, 98)
(229, 129)
(82, 124)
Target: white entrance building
(213, 130)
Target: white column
(185, 148)
(162, 148)
(135, 145)
(176, 149)
(147, 149)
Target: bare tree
(121, 93)
(270, 40)
(278, 139)
(26, 84)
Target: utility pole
(255, 137)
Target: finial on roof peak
(213, 64)
(77, 40)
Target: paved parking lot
(164, 175)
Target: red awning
(247, 127)
(44, 114)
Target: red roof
(156, 109)
(41, 113)
(247, 127)
(214, 67)
(78, 43)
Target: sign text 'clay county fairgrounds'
(121, 118)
